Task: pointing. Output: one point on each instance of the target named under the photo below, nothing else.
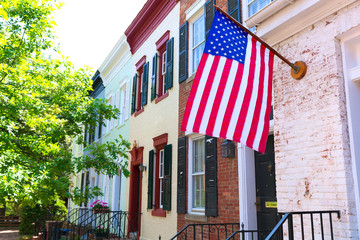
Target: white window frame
(191, 210)
(250, 2)
(193, 13)
(161, 176)
(122, 102)
(192, 40)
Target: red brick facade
(228, 193)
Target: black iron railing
(248, 234)
(206, 231)
(305, 225)
(85, 223)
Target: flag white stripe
(212, 95)
(240, 96)
(254, 95)
(199, 92)
(260, 127)
(225, 99)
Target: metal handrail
(289, 218)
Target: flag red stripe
(218, 97)
(249, 89)
(206, 93)
(262, 144)
(193, 91)
(232, 100)
(255, 120)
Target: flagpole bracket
(299, 70)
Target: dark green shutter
(211, 200)
(154, 77)
(145, 81)
(150, 179)
(133, 97)
(233, 9)
(167, 177)
(169, 64)
(181, 184)
(209, 15)
(183, 67)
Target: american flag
(231, 92)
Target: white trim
(292, 18)
(350, 86)
(247, 193)
(190, 38)
(194, 9)
(115, 61)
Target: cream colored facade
(157, 119)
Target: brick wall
(228, 193)
(313, 165)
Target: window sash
(255, 6)
(198, 175)
(198, 41)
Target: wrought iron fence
(85, 223)
(206, 231)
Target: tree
(44, 103)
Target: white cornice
(293, 18)
(116, 59)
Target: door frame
(247, 185)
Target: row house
(311, 163)
(153, 38)
(187, 185)
(116, 72)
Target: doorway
(266, 202)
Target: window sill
(138, 112)
(196, 217)
(191, 78)
(158, 212)
(161, 97)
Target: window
(110, 122)
(159, 176)
(198, 175)
(256, 5)
(140, 86)
(123, 104)
(198, 41)
(162, 68)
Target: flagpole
(298, 69)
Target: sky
(87, 30)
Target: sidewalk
(9, 234)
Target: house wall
(313, 160)
(227, 177)
(117, 72)
(157, 119)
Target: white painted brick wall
(310, 127)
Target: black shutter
(145, 81)
(150, 179)
(167, 177)
(183, 70)
(211, 208)
(181, 184)
(209, 15)
(233, 9)
(133, 97)
(169, 64)
(154, 77)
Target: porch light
(142, 167)
(227, 149)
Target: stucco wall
(158, 119)
(313, 165)
(123, 75)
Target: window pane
(199, 31)
(197, 53)
(257, 5)
(198, 178)
(198, 191)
